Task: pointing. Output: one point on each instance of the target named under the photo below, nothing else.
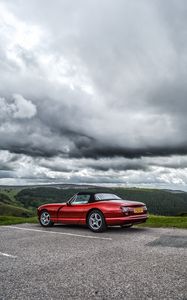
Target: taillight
(125, 210)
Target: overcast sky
(93, 91)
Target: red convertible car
(96, 210)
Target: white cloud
(23, 109)
(19, 108)
(17, 32)
(117, 171)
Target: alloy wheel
(45, 218)
(95, 221)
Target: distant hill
(159, 202)
(10, 207)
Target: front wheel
(96, 221)
(45, 219)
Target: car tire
(126, 225)
(96, 221)
(45, 219)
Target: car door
(73, 213)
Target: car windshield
(106, 196)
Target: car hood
(56, 205)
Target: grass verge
(163, 221)
(9, 220)
(14, 211)
(153, 221)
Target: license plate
(138, 210)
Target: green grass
(11, 210)
(163, 221)
(10, 192)
(9, 220)
(153, 221)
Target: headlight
(125, 209)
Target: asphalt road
(74, 263)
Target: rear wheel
(45, 219)
(96, 221)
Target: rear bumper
(136, 219)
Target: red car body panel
(77, 213)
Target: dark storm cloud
(5, 167)
(6, 174)
(93, 80)
(117, 166)
(56, 167)
(71, 165)
(104, 151)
